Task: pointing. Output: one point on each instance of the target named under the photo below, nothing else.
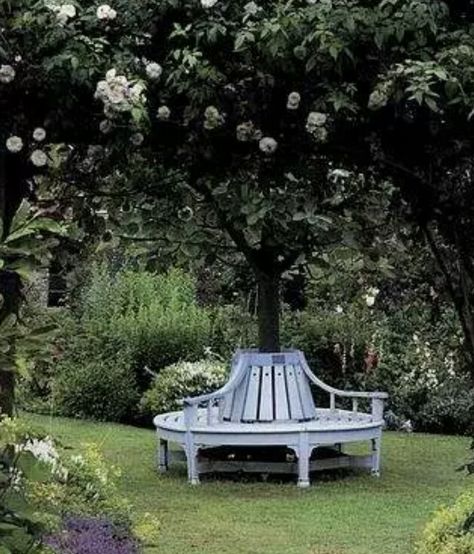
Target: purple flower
(92, 536)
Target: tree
(273, 125)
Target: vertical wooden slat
(281, 397)
(253, 390)
(293, 393)
(266, 395)
(239, 399)
(307, 402)
(225, 406)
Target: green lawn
(356, 514)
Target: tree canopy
(278, 127)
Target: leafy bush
(91, 536)
(99, 388)
(180, 380)
(451, 531)
(155, 316)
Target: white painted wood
(307, 403)
(266, 395)
(304, 453)
(294, 399)
(268, 401)
(253, 392)
(281, 396)
(240, 396)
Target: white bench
(268, 401)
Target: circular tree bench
(268, 401)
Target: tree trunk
(268, 308)
(10, 291)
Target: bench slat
(253, 390)
(293, 393)
(239, 400)
(266, 395)
(307, 402)
(281, 398)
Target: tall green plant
(25, 249)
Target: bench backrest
(273, 387)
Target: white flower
(105, 126)
(208, 3)
(212, 118)
(118, 94)
(251, 8)
(154, 70)
(336, 175)
(14, 144)
(371, 296)
(65, 12)
(7, 74)
(106, 12)
(44, 450)
(314, 120)
(136, 139)
(163, 113)
(18, 58)
(39, 134)
(38, 158)
(339, 309)
(293, 102)
(268, 145)
(369, 300)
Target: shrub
(100, 388)
(155, 316)
(180, 380)
(91, 536)
(451, 531)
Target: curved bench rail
(191, 404)
(376, 397)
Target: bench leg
(304, 453)
(192, 461)
(376, 457)
(163, 456)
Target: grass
(353, 514)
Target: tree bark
(268, 309)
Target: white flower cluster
(293, 101)
(268, 145)
(118, 94)
(43, 450)
(7, 74)
(316, 126)
(208, 3)
(247, 132)
(153, 70)
(105, 12)
(213, 118)
(38, 158)
(338, 175)
(39, 134)
(163, 113)
(14, 144)
(371, 296)
(64, 12)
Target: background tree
(241, 115)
